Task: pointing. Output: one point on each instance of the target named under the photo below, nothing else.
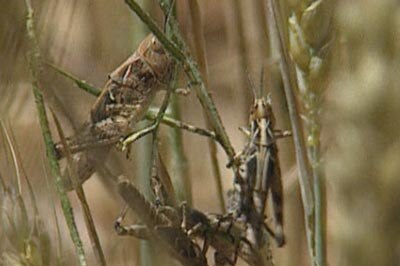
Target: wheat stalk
(309, 28)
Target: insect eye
(157, 47)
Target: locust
(159, 226)
(268, 175)
(184, 225)
(260, 171)
(161, 220)
(123, 102)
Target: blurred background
(356, 42)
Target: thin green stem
(179, 166)
(52, 158)
(320, 211)
(180, 174)
(169, 121)
(319, 186)
(36, 67)
(143, 170)
(80, 83)
(145, 17)
(137, 135)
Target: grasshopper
(181, 222)
(160, 226)
(260, 171)
(162, 222)
(123, 102)
(268, 175)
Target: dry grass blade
(19, 165)
(14, 156)
(23, 236)
(24, 240)
(72, 173)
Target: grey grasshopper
(268, 174)
(261, 174)
(184, 227)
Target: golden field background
(360, 119)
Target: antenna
(253, 88)
(261, 89)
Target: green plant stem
(52, 158)
(143, 170)
(277, 42)
(320, 210)
(152, 128)
(199, 42)
(172, 122)
(146, 249)
(180, 175)
(319, 186)
(194, 74)
(145, 17)
(35, 67)
(80, 83)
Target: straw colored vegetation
(331, 69)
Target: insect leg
(275, 184)
(136, 230)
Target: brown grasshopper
(161, 226)
(123, 102)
